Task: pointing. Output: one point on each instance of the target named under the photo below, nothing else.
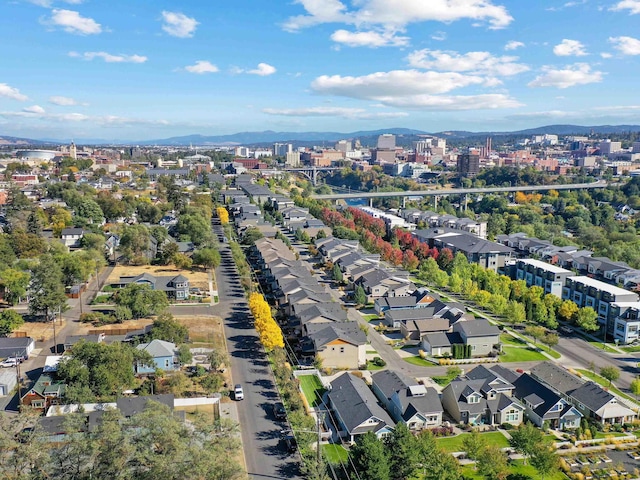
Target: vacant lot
(198, 279)
(204, 329)
(41, 331)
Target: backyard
(335, 454)
(312, 388)
(197, 278)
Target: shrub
(378, 362)
(507, 426)
(122, 314)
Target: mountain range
(314, 138)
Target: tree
(47, 288)
(337, 273)
(134, 243)
(587, 319)
(167, 328)
(610, 373)
(206, 257)
(184, 355)
(436, 463)
(141, 300)
(492, 463)
(15, 284)
(217, 358)
(223, 215)
(359, 297)
(544, 460)
(9, 321)
(445, 259)
(526, 440)
(194, 227)
(250, 236)
(269, 331)
(181, 261)
(315, 469)
(34, 223)
(89, 210)
(536, 332)
(635, 387)
(405, 453)
(567, 310)
(473, 445)
(550, 339)
(370, 458)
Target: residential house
(383, 304)
(338, 345)
(589, 398)
(71, 340)
(356, 409)
(482, 397)
(329, 312)
(163, 354)
(71, 237)
(43, 393)
(627, 321)
(480, 334)
(176, 287)
(543, 405)
(305, 297)
(541, 274)
(16, 347)
(407, 401)
(440, 344)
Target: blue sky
(148, 69)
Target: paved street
(266, 457)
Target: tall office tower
(387, 141)
(73, 151)
(281, 149)
(488, 146)
(293, 159)
(343, 146)
(468, 164)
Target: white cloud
(263, 70)
(452, 102)
(369, 39)
(72, 22)
(475, 62)
(11, 92)
(568, 48)
(570, 76)
(178, 24)
(626, 45)
(606, 55)
(393, 83)
(47, 3)
(62, 101)
(513, 44)
(34, 109)
(110, 58)
(439, 36)
(345, 112)
(632, 5)
(202, 66)
(399, 13)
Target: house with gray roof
(338, 345)
(587, 397)
(176, 287)
(480, 334)
(356, 409)
(163, 354)
(417, 406)
(482, 397)
(328, 312)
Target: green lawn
(454, 444)
(507, 339)
(372, 366)
(517, 354)
(550, 351)
(312, 389)
(602, 346)
(605, 383)
(419, 361)
(335, 454)
(518, 470)
(634, 349)
(370, 317)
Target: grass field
(335, 454)
(517, 354)
(198, 279)
(550, 351)
(507, 339)
(369, 317)
(421, 362)
(634, 349)
(312, 389)
(517, 470)
(454, 444)
(601, 346)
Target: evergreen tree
(359, 297)
(370, 458)
(47, 288)
(404, 452)
(34, 224)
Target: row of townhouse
(573, 258)
(617, 308)
(317, 326)
(548, 396)
(436, 220)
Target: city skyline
(86, 69)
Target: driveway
(265, 455)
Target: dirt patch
(39, 331)
(196, 278)
(204, 329)
(116, 328)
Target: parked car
(279, 411)
(9, 362)
(289, 440)
(566, 330)
(238, 393)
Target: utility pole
(318, 451)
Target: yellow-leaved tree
(266, 326)
(223, 215)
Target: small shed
(8, 381)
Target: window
(37, 404)
(512, 415)
(341, 349)
(473, 399)
(166, 363)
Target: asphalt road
(265, 455)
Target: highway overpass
(460, 191)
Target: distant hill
(550, 129)
(5, 140)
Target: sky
(153, 69)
